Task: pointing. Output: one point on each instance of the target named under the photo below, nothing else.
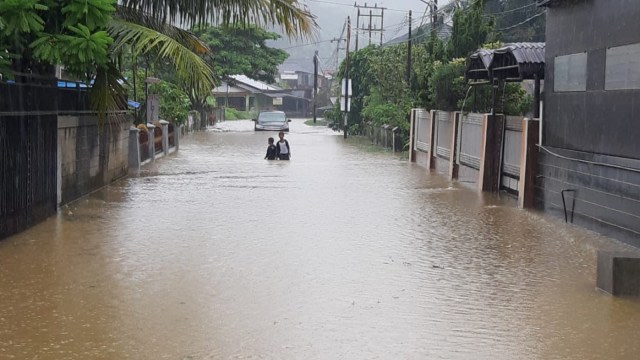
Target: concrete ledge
(619, 273)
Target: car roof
(271, 112)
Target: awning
(133, 104)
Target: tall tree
(516, 20)
(470, 30)
(242, 50)
(87, 36)
(237, 50)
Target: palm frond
(108, 96)
(294, 19)
(188, 65)
(185, 37)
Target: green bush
(233, 114)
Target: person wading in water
(283, 151)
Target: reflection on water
(340, 253)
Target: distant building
(590, 128)
(301, 82)
(245, 94)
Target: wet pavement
(345, 252)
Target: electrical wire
(523, 22)
(510, 10)
(335, 3)
(588, 161)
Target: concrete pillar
(619, 273)
(165, 136)
(134, 148)
(412, 135)
(453, 159)
(177, 134)
(152, 141)
(431, 163)
(491, 152)
(528, 163)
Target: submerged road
(345, 252)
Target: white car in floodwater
(271, 121)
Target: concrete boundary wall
(90, 156)
(482, 149)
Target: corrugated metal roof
(485, 55)
(254, 83)
(525, 52)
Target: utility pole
(315, 85)
(357, 28)
(346, 92)
(433, 4)
(338, 48)
(409, 53)
(379, 13)
(434, 19)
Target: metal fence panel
(470, 140)
(512, 151)
(422, 130)
(443, 135)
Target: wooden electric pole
(409, 53)
(315, 85)
(346, 76)
(379, 13)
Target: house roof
(259, 85)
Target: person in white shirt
(283, 151)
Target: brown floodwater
(345, 252)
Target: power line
(522, 23)
(335, 3)
(511, 10)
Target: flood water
(345, 252)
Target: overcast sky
(331, 16)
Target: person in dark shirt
(271, 150)
(283, 150)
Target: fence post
(152, 141)
(412, 134)
(432, 121)
(177, 134)
(134, 148)
(491, 152)
(528, 163)
(453, 158)
(165, 136)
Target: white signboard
(345, 106)
(344, 87)
(277, 101)
(342, 105)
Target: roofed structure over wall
(512, 62)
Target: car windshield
(271, 117)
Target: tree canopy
(242, 50)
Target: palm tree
(144, 28)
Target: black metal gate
(28, 153)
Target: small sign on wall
(277, 101)
(152, 109)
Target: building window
(623, 68)
(570, 73)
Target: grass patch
(319, 122)
(233, 114)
